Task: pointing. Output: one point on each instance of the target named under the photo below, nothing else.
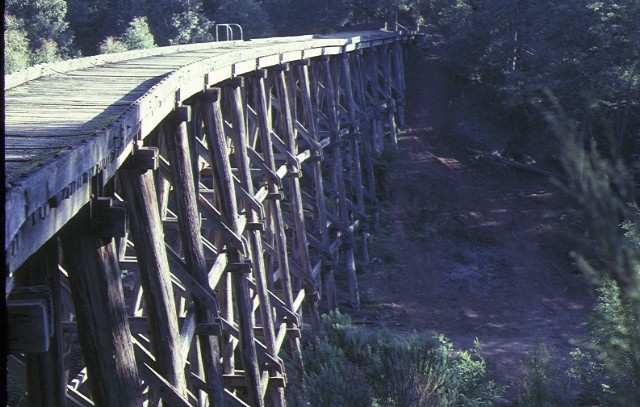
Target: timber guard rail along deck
(176, 210)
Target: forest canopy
(40, 31)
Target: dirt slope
(468, 247)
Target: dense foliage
(353, 366)
(59, 29)
(586, 53)
(607, 365)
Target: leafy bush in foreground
(352, 366)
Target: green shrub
(16, 45)
(330, 380)
(111, 45)
(191, 27)
(48, 52)
(353, 366)
(544, 384)
(137, 35)
(606, 367)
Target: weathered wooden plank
(189, 222)
(295, 192)
(226, 187)
(239, 137)
(147, 233)
(328, 281)
(104, 333)
(33, 234)
(273, 205)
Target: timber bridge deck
(156, 210)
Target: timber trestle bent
(176, 210)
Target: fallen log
(516, 164)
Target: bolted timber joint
(30, 319)
(284, 67)
(240, 268)
(316, 156)
(302, 62)
(212, 95)
(276, 196)
(145, 158)
(259, 73)
(182, 114)
(107, 218)
(237, 82)
(253, 226)
(277, 381)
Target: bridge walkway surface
(173, 210)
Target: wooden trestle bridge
(176, 210)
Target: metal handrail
(229, 31)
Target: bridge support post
(328, 282)
(388, 94)
(103, 329)
(399, 82)
(218, 149)
(153, 265)
(239, 137)
(377, 104)
(354, 143)
(338, 178)
(189, 225)
(293, 167)
(274, 208)
(366, 132)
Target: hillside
(468, 247)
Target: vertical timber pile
(338, 182)
(104, 333)
(242, 206)
(276, 225)
(185, 200)
(294, 173)
(155, 276)
(255, 226)
(309, 120)
(218, 148)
